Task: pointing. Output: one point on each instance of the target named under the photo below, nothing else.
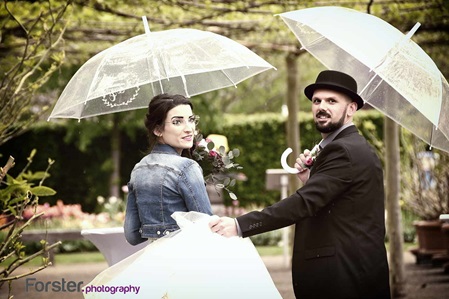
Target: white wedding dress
(190, 263)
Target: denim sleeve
(193, 189)
(132, 220)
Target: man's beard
(332, 126)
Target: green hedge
(80, 176)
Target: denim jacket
(163, 182)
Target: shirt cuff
(239, 231)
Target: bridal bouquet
(216, 164)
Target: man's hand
(303, 160)
(224, 226)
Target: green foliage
(31, 37)
(271, 238)
(425, 196)
(16, 195)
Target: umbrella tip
(145, 24)
(413, 30)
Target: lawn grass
(269, 250)
(97, 257)
(67, 258)
(79, 257)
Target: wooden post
(292, 126)
(394, 217)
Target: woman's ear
(157, 132)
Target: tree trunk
(394, 218)
(292, 129)
(292, 120)
(114, 181)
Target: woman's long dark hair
(157, 112)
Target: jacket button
(158, 232)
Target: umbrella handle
(284, 162)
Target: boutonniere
(313, 154)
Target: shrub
(16, 195)
(271, 238)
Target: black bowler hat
(337, 81)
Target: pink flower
(309, 161)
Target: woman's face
(179, 128)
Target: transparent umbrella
(178, 61)
(393, 73)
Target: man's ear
(352, 108)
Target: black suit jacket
(339, 249)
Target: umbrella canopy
(177, 61)
(393, 73)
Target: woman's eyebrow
(182, 116)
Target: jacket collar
(164, 149)
(334, 134)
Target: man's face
(331, 110)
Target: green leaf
(233, 196)
(226, 160)
(230, 165)
(32, 154)
(210, 146)
(12, 210)
(39, 175)
(222, 150)
(42, 191)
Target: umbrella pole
(147, 32)
(145, 24)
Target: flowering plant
(60, 215)
(216, 164)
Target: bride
(168, 205)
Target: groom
(339, 249)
